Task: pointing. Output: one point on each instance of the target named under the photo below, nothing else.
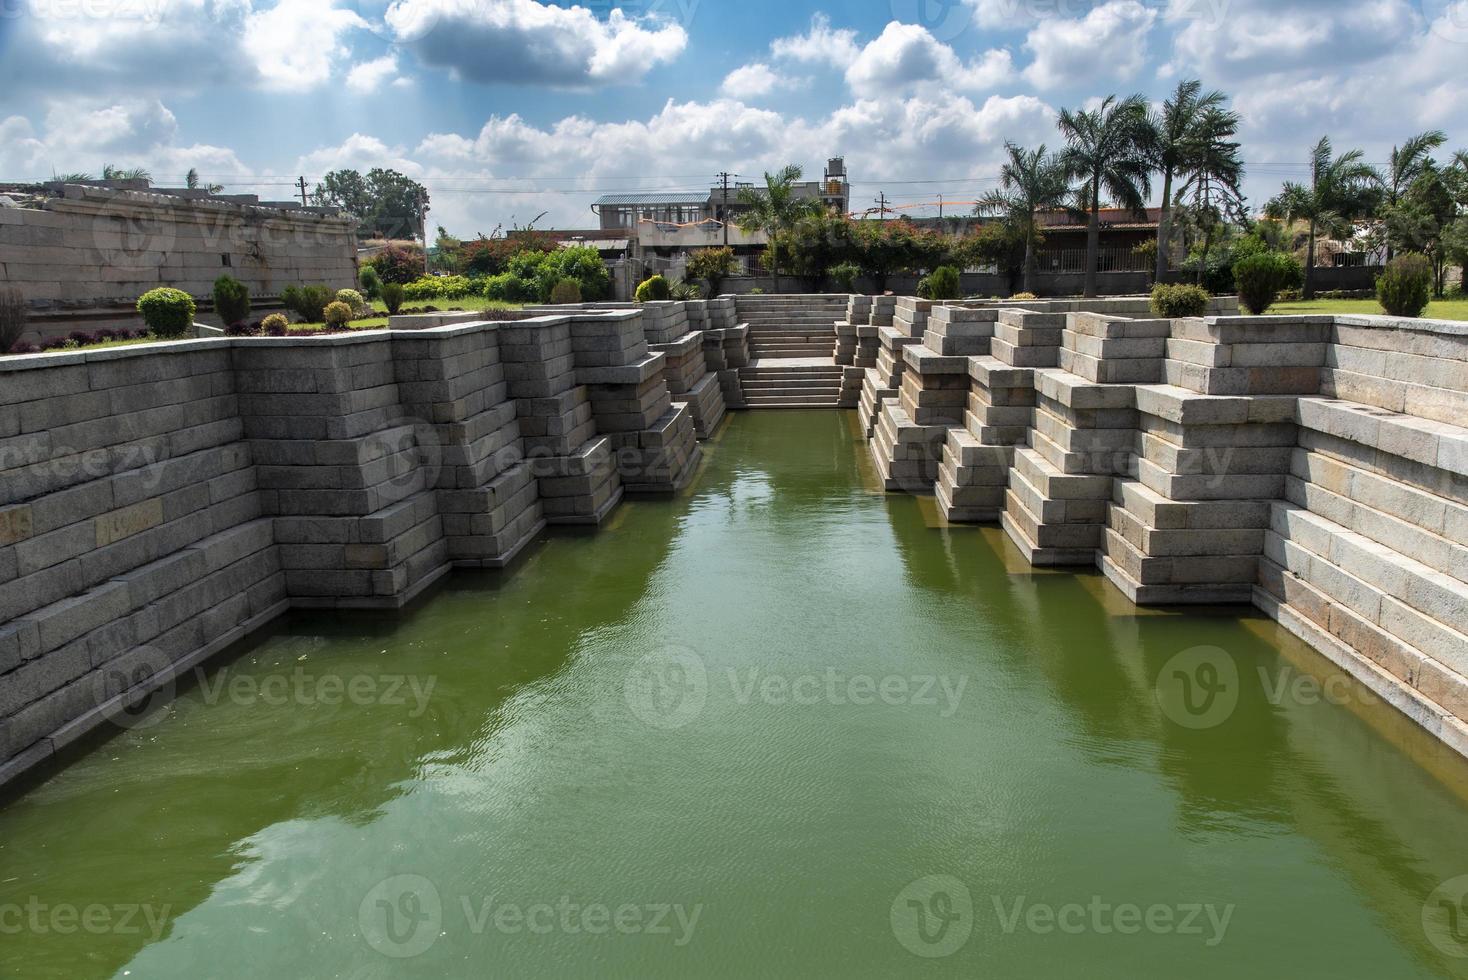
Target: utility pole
(882, 205)
(301, 183)
(724, 218)
(940, 207)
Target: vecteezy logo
(944, 19)
(667, 688)
(135, 689)
(1199, 688)
(1448, 19)
(1445, 917)
(934, 916)
(401, 917)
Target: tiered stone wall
(160, 502)
(1314, 466)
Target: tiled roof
(692, 197)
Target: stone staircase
(783, 326)
(791, 383)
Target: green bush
(167, 312)
(275, 324)
(844, 275)
(685, 290)
(1405, 286)
(355, 300)
(1179, 300)
(941, 283)
(231, 300)
(582, 263)
(392, 297)
(713, 265)
(398, 264)
(1259, 279)
(509, 288)
(307, 302)
(438, 287)
(337, 314)
(370, 281)
(653, 289)
(566, 292)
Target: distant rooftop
(619, 200)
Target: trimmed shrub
(392, 297)
(337, 314)
(275, 325)
(1023, 296)
(566, 292)
(231, 300)
(167, 312)
(654, 289)
(1179, 300)
(355, 300)
(308, 302)
(370, 281)
(1404, 288)
(941, 283)
(12, 318)
(438, 287)
(1261, 277)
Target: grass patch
(467, 304)
(1438, 309)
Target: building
(661, 227)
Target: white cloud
(906, 56)
(367, 77)
(754, 80)
(83, 136)
(358, 152)
(526, 42)
(1108, 44)
(820, 45)
(296, 43)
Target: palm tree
(1214, 171)
(775, 210)
(1184, 133)
(1030, 182)
(191, 181)
(1341, 189)
(1108, 149)
(1408, 162)
(109, 172)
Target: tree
(1408, 161)
(1210, 190)
(1109, 150)
(775, 209)
(713, 265)
(192, 182)
(1186, 136)
(385, 203)
(1031, 181)
(1421, 220)
(1341, 189)
(109, 172)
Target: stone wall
(83, 248)
(158, 503)
(1314, 466)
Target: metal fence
(1108, 259)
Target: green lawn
(446, 305)
(1440, 309)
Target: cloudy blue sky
(507, 108)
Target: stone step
(1050, 481)
(1399, 594)
(1022, 527)
(1440, 516)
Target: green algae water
(783, 725)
